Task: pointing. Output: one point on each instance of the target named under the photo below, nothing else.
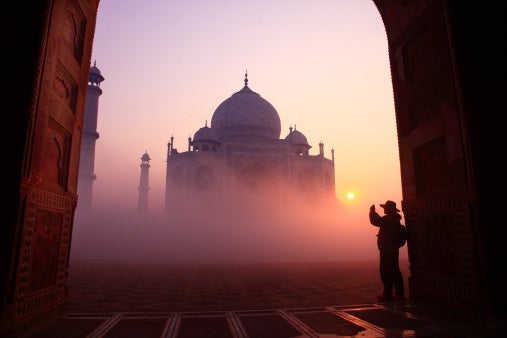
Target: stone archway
(448, 78)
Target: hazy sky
(322, 64)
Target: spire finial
(206, 123)
(95, 63)
(246, 78)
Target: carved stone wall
(39, 225)
(438, 198)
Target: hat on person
(389, 206)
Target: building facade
(241, 154)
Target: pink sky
(322, 64)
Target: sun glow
(350, 196)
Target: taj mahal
(241, 154)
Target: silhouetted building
(144, 187)
(90, 135)
(241, 153)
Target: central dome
(246, 115)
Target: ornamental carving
(44, 251)
(56, 154)
(420, 57)
(440, 242)
(65, 87)
(73, 30)
(423, 110)
(431, 168)
(46, 242)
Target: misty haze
(254, 228)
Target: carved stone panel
(423, 110)
(54, 168)
(73, 30)
(442, 260)
(65, 87)
(439, 233)
(44, 252)
(420, 57)
(430, 166)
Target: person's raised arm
(375, 218)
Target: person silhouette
(390, 273)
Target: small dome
(296, 137)
(205, 134)
(246, 114)
(95, 71)
(146, 157)
(95, 77)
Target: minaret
(142, 201)
(90, 135)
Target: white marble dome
(296, 137)
(246, 115)
(205, 134)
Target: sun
(350, 196)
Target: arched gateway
(449, 82)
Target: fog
(251, 228)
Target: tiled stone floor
(257, 301)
